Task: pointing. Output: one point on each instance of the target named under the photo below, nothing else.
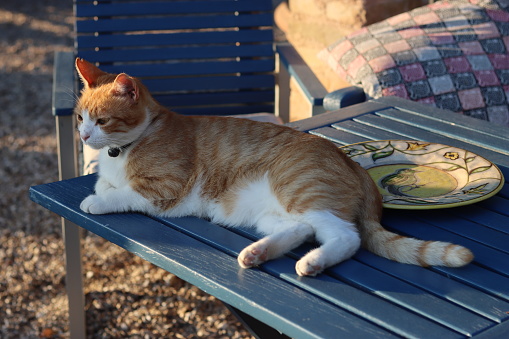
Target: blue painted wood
(187, 53)
(475, 301)
(368, 132)
(489, 280)
(177, 22)
(412, 298)
(225, 110)
(497, 204)
(496, 142)
(326, 119)
(438, 114)
(344, 97)
(220, 98)
(297, 68)
(434, 301)
(463, 295)
(192, 68)
(63, 84)
(185, 38)
(483, 216)
(484, 255)
(468, 229)
(499, 331)
(334, 291)
(410, 132)
(146, 8)
(194, 48)
(214, 271)
(204, 83)
(338, 136)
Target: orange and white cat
(289, 185)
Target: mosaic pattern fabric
(451, 54)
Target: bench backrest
(197, 57)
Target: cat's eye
(79, 117)
(102, 121)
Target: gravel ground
(125, 296)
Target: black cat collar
(115, 151)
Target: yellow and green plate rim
(432, 203)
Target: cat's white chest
(112, 169)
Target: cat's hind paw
(252, 255)
(94, 204)
(304, 268)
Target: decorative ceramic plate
(422, 175)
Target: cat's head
(111, 111)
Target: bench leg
(74, 279)
(258, 329)
(68, 168)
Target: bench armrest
(63, 84)
(291, 65)
(62, 107)
(343, 97)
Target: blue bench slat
(412, 132)
(332, 290)
(337, 136)
(431, 112)
(465, 228)
(437, 284)
(192, 68)
(483, 216)
(326, 119)
(365, 131)
(504, 192)
(226, 110)
(175, 53)
(213, 271)
(486, 256)
(157, 86)
(496, 204)
(173, 23)
(479, 277)
(365, 275)
(411, 297)
(175, 38)
(383, 313)
(426, 305)
(505, 171)
(147, 8)
(219, 98)
(500, 331)
(450, 129)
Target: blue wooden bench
(367, 296)
(197, 57)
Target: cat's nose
(85, 137)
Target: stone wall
(311, 25)
(326, 19)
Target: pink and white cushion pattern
(452, 54)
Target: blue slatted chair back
(213, 57)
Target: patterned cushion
(452, 54)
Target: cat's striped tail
(407, 250)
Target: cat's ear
(88, 72)
(124, 85)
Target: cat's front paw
(94, 204)
(253, 255)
